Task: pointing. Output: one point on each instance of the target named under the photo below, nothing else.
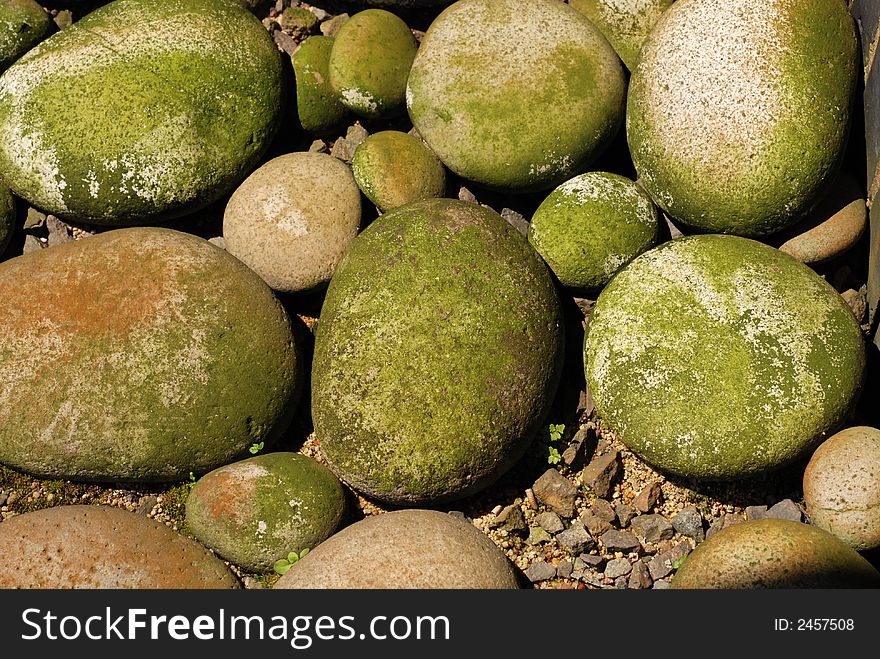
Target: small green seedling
(256, 448)
(284, 564)
(556, 430)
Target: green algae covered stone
(110, 123)
(626, 24)
(393, 168)
(738, 111)
(370, 61)
(319, 109)
(437, 353)
(591, 226)
(775, 553)
(23, 24)
(139, 355)
(717, 357)
(7, 217)
(255, 512)
(516, 95)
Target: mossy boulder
(370, 61)
(139, 355)
(591, 226)
(23, 24)
(292, 219)
(625, 24)
(437, 353)
(7, 217)
(255, 512)
(103, 547)
(319, 110)
(842, 487)
(717, 357)
(516, 95)
(404, 549)
(774, 553)
(110, 123)
(738, 111)
(393, 169)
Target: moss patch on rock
(110, 123)
(257, 511)
(437, 353)
(393, 169)
(370, 61)
(738, 111)
(625, 24)
(717, 357)
(515, 95)
(317, 105)
(591, 226)
(23, 24)
(115, 382)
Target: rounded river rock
(103, 547)
(404, 549)
(437, 354)
(110, 123)
(139, 355)
(718, 357)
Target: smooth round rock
(23, 24)
(842, 487)
(7, 217)
(516, 95)
(625, 24)
(393, 169)
(738, 111)
(110, 123)
(370, 61)
(718, 357)
(318, 108)
(774, 553)
(832, 228)
(400, 4)
(591, 226)
(103, 547)
(293, 218)
(255, 512)
(404, 549)
(437, 353)
(139, 355)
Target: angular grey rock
(510, 519)
(689, 522)
(786, 509)
(639, 578)
(603, 510)
(659, 567)
(576, 539)
(661, 585)
(59, 232)
(620, 583)
(601, 473)
(652, 528)
(537, 535)
(648, 497)
(620, 541)
(540, 571)
(556, 492)
(564, 569)
(617, 567)
(595, 525)
(32, 244)
(354, 137)
(575, 454)
(330, 27)
(625, 513)
(550, 522)
(756, 512)
(516, 220)
(590, 560)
